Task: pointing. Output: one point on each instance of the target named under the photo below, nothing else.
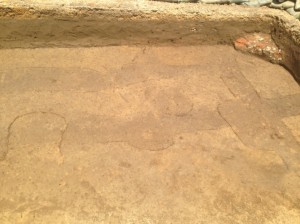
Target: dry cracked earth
(199, 134)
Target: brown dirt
(195, 134)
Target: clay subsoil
(199, 134)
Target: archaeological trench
(149, 112)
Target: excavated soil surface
(199, 134)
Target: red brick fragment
(259, 44)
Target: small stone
(178, 1)
(284, 5)
(223, 1)
(297, 5)
(292, 12)
(264, 2)
(252, 3)
(258, 3)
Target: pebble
(283, 5)
(293, 13)
(258, 3)
(297, 5)
(223, 1)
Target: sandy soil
(198, 134)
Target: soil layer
(185, 134)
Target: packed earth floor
(198, 134)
